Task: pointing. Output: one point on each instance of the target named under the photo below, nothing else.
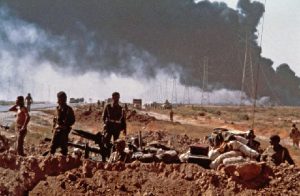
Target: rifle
(87, 149)
(98, 138)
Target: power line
(258, 69)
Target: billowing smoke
(140, 39)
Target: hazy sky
(281, 34)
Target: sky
(281, 31)
(281, 38)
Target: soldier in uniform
(171, 115)
(119, 154)
(28, 102)
(295, 135)
(63, 121)
(22, 121)
(114, 119)
(252, 143)
(276, 153)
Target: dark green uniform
(114, 119)
(64, 119)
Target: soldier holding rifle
(63, 121)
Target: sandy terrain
(57, 175)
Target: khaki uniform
(117, 156)
(64, 119)
(114, 119)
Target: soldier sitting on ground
(252, 143)
(276, 153)
(119, 154)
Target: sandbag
(184, 157)
(238, 146)
(145, 158)
(219, 159)
(169, 156)
(233, 160)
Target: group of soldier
(114, 118)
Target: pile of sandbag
(156, 152)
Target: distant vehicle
(167, 105)
(76, 100)
(137, 103)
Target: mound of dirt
(27, 172)
(160, 179)
(142, 118)
(88, 114)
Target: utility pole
(174, 91)
(205, 94)
(186, 95)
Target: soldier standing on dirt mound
(63, 121)
(171, 115)
(114, 119)
(29, 102)
(22, 121)
(295, 135)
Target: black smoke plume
(130, 37)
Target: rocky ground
(73, 175)
(58, 175)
